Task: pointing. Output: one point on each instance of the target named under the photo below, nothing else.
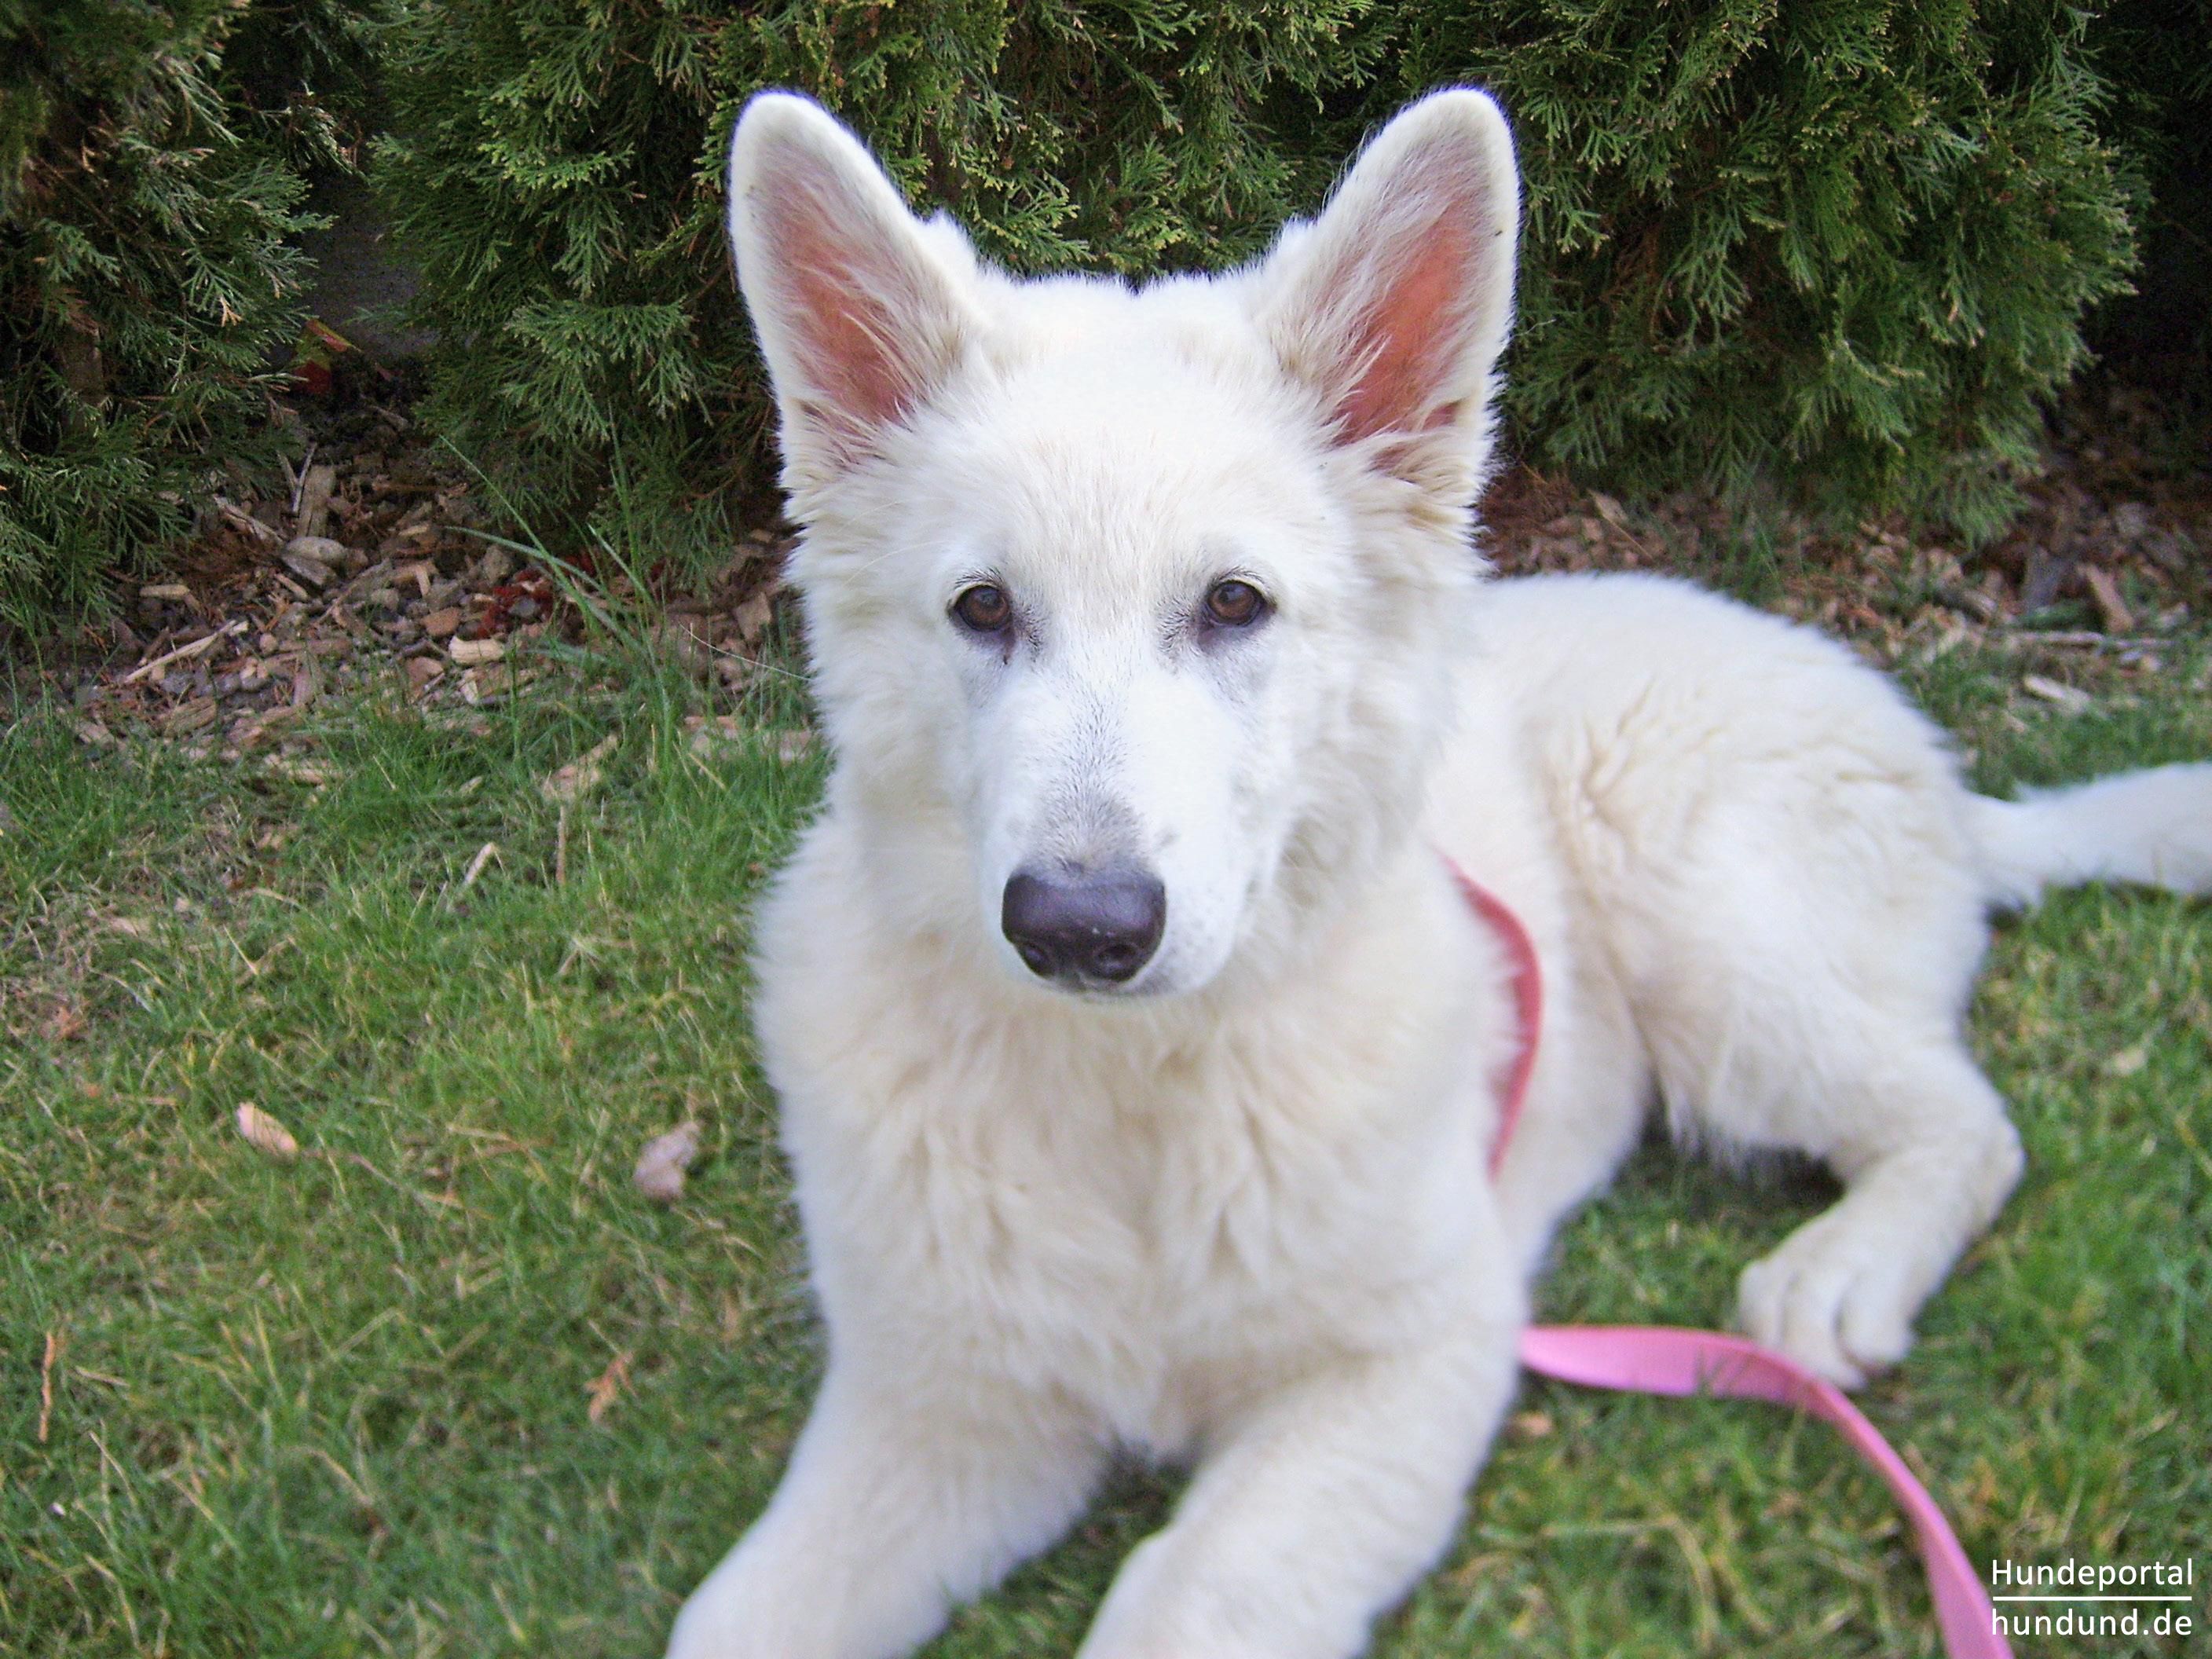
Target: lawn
(446, 1383)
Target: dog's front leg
(903, 1498)
(1317, 1510)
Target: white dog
(1138, 1054)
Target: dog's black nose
(1101, 924)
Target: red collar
(1528, 1002)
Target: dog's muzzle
(1084, 927)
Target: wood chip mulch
(2111, 563)
(374, 562)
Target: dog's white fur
(1238, 1211)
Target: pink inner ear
(1410, 338)
(842, 289)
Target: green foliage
(558, 174)
(1843, 245)
(307, 71)
(1847, 242)
(146, 281)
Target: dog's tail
(2153, 827)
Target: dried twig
(196, 648)
(485, 854)
(2084, 638)
(238, 519)
(300, 478)
(46, 1382)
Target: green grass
(342, 1405)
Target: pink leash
(1670, 1360)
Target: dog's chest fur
(1131, 1206)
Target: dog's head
(1134, 612)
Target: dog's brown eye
(1234, 603)
(983, 608)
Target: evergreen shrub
(147, 285)
(556, 171)
(1840, 245)
(1845, 244)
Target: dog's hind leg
(1816, 1029)
(1928, 1158)
(1902, 1113)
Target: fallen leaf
(441, 624)
(1529, 1425)
(711, 739)
(660, 1166)
(2130, 1060)
(579, 776)
(607, 1387)
(265, 1133)
(752, 617)
(420, 670)
(65, 1023)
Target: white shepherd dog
(1138, 1051)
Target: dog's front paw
(802, 1592)
(1837, 1303)
(740, 1612)
(708, 1627)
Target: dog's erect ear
(1395, 304)
(861, 310)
